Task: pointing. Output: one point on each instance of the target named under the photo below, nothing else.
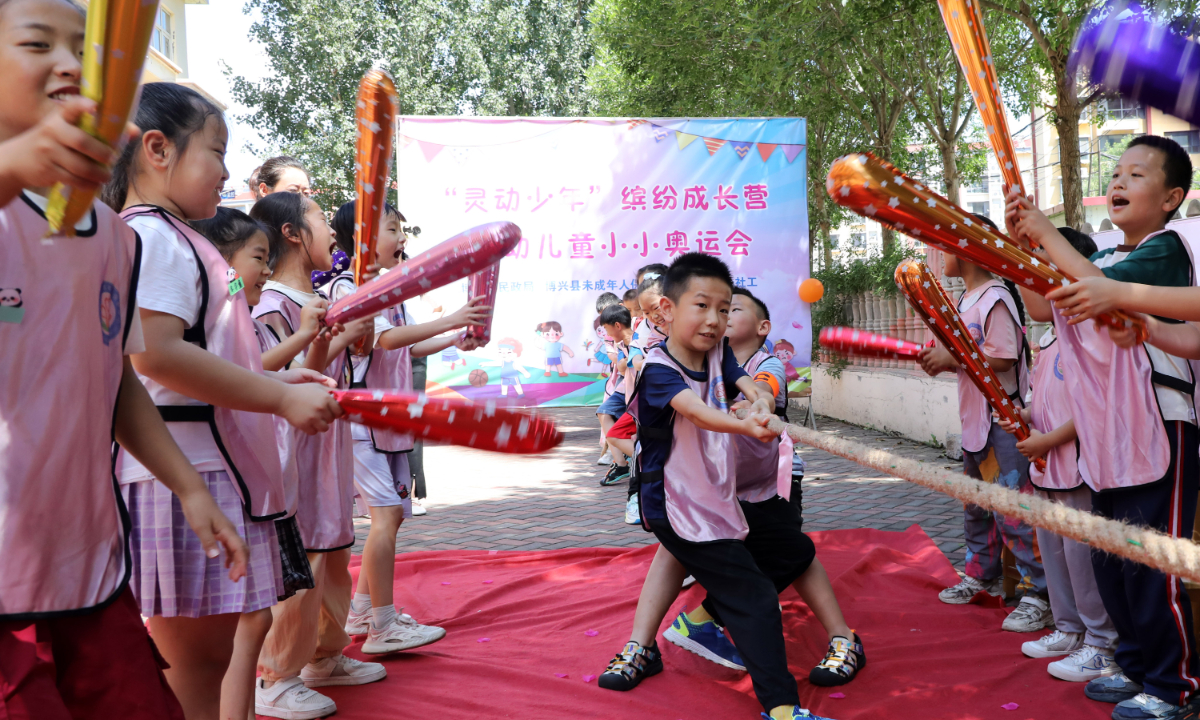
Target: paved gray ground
(488, 501)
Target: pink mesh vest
(759, 464)
(285, 435)
(1050, 408)
(324, 462)
(973, 407)
(224, 329)
(385, 369)
(1122, 438)
(700, 476)
(65, 311)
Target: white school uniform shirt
(170, 283)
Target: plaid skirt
(172, 577)
(293, 560)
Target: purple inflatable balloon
(1127, 54)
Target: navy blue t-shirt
(657, 387)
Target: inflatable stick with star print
(116, 37)
(925, 294)
(964, 22)
(374, 121)
(464, 254)
(451, 421)
(875, 189)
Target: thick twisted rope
(1173, 556)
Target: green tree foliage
(476, 57)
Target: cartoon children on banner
(551, 333)
(509, 351)
(604, 346)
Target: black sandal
(842, 662)
(632, 665)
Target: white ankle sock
(361, 602)
(381, 617)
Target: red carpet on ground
(524, 630)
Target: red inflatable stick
(925, 294)
(873, 188)
(460, 256)
(849, 341)
(374, 121)
(483, 425)
(483, 284)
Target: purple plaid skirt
(171, 575)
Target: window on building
(979, 208)
(978, 186)
(1120, 108)
(1189, 139)
(858, 241)
(1108, 141)
(163, 38)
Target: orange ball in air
(811, 290)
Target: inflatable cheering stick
(1153, 64)
(374, 121)
(925, 294)
(964, 22)
(483, 284)
(462, 255)
(450, 421)
(849, 341)
(873, 188)
(114, 48)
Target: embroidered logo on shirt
(235, 281)
(11, 310)
(1058, 373)
(110, 312)
(717, 388)
(976, 331)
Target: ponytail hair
(177, 112)
(271, 172)
(274, 212)
(343, 225)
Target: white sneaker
(968, 588)
(1030, 615)
(605, 459)
(358, 623)
(1084, 665)
(403, 634)
(341, 670)
(418, 509)
(1053, 645)
(633, 511)
(291, 700)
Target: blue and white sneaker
(798, 713)
(1112, 689)
(1149, 707)
(706, 639)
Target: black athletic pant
(748, 603)
(776, 543)
(1150, 609)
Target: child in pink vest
(1084, 636)
(72, 642)
(303, 649)
(1134, 412)
(687, 466)
(203, 368)
(381, 471)
(992, 313)
(243, 243)
(774, 539)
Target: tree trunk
(950, 172)
(1066, 120)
